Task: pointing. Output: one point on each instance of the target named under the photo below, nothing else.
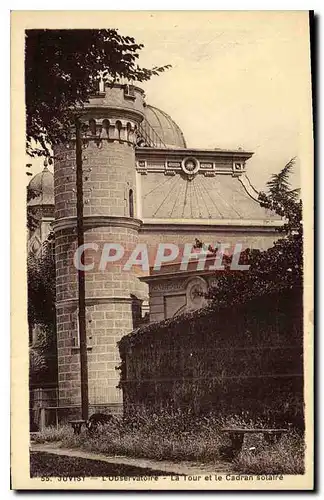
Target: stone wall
(109, 122)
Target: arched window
(136, 311)
(128, 131)
(93, 126)
(105, 129)
(131, 203)
(119, 127)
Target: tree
(41, 285)
(62, 70)
(37, 364)
(274, 270)
(41, 313)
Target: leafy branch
(276, 269)
(63, 69)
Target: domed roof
(165, 128)
(42, 184)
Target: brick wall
(108, 175)
(106, 186)
(108, 316)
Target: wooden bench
(271, 436)
(77, 425)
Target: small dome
(42, 185)
(166, 129)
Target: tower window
(128, 131)
(119, 127)
(105, 128)
(131, 203)
(93, 127)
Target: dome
(167, 132)
(42, 185)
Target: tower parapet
(109, 125)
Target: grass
(284, 457)
(156, 445)
(52, 434)
(49, 465)
(177, 438)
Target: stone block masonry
(109, 190)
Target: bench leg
(237, 442)
(77, 428)
(272, 438)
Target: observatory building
(142, 185)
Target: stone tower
(110, 120)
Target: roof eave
(140, 151)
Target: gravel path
(155, 466)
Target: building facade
(142, 187)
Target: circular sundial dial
(196, 292)
(190, 166)
(196, 289)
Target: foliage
(62, 70)
(47, 465)
(53, 434)
(284, 457)
(285, 202)
(33, 218)
(278, 268)
(37, 363)
(225, 360)
(179, 436)
(41, 285)
(41, 313)
(252, 330)
(33, 213)
(43, 357)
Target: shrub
(52, 434)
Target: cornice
(92, 301)
(91, 221)
(180, 152)
(176, 275)
(191, 162)
(116, 85)
(117, 112)
(201, 225)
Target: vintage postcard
(162, 250)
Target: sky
(238, 79)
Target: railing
(148, 137)
(39, 399)
(45, 408)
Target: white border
(5, 173)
